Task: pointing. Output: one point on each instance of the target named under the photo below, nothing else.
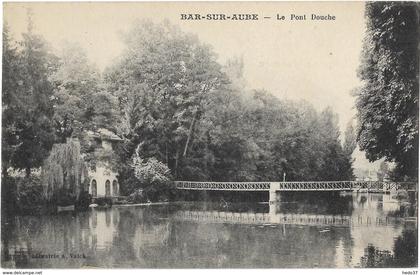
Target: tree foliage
(180, 113)
(387, 102)
(162, 81)
(151, 171)
(10, 103)
(350, 139)
(64, 171)
(182, 109)
(80, 101)
(27, 108)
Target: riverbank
(142, 204)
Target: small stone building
(103, 179)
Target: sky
(315, 61)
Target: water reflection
(298, 232)
(405, 254)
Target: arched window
(107, 188)
(114, 188)
(94, 189)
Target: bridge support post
(274, 193)
(274, 198)
(273, 209)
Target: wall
(101, 175)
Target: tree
(162, 82)
(387, 102)
(80, 100)
(297, 145)
(181, 110)
(10, 103)
(350, 140)
(27, 93)
(64, 173)
(337, 164)
(383, 171)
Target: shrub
(83, 201)
(63, 197)
(9, 195)
(138, 196)
(158, 192)
(151, 171)
(30, 196)
(103, 201)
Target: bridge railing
(315, 185)
(246, 186)
(384, 185)
(296, 185)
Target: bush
(158, 192)
(152, 193)
(402, 194)
(27, 195)
(84, 201)
(8, 195)
(146, 180)
(151, 171)
(104, 201)
(30, 195)
(138, 196)
(129, 183)
(63, 197)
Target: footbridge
(273, 187)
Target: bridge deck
(296, 186)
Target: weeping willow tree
(65, 172)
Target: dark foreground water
(349, 230)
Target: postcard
(210, 135)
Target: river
(348, 230)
